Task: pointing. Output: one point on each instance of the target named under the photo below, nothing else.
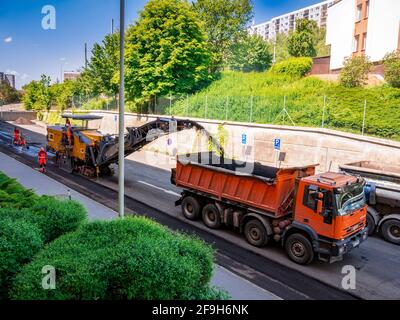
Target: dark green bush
(133, 258)
(294, 67)
(54, 217)
(19, 242)
(12, 194)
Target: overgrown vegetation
(8, 94)
(293, 67)
(355, 71)
(259, 97)
(392, 68)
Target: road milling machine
(78, 148)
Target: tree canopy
(251, 53)
(166, 51)
(103, 66)
(225, 22)
(302, 42)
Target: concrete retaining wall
(14, 115)
(303, 146)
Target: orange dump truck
(311, 215)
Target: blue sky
(28, 50)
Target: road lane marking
(159, 188)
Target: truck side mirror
(319, 206)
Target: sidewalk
(238, 288)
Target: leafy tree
(302, 42)
(252, 53)
(103, 66)
(392, 68)
(62, 94)
(8, 94)
(355, 71)
(225, 22)
(166, 51)
(37, 94)
(281, 47)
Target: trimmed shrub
(19, 242)
(12, 194)
(54, 217)
(293, 67)
(392, 68)
(134, 258)
(355, 71)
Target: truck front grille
(354, 228)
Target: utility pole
(86, 60)
(112, 26)
(121, 139)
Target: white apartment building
(362, 27)
(287, 22)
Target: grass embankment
(134, 258)
(232, 96)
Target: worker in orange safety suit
(17, 136)
(69, 135)
(42, 157)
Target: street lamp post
(121, 140)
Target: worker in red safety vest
(17, 136)
(42, 157)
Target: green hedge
(54, 217)
(12, 194)
(19, 242)
(294, 67)
(134, 258)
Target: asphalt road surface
(376, 261)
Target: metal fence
(324, 112)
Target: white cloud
(8, 39)
(24, 76)
(15, 73)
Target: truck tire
(211, 216)
(299, 249)
(255, 233)
(391, 231)
(370, 224)
(191, 208)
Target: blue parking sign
(244, 138)
(277, 144)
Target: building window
(367, 10)
(359, 13)
(364, 41)
(355, 43)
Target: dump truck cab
(330, 211)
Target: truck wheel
(211, 216)
(371, 225)
(391, 231)
(299, 249)
(255, 233)
(190, 208)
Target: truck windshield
(349, 198)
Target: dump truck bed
(251, 185)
